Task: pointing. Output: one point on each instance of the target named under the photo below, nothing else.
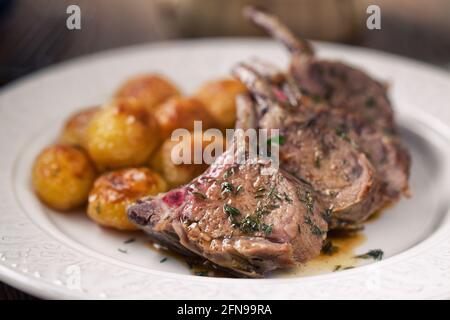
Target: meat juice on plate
(339, 256)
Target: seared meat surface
(238, 218)
(314, 149)
(358, 103)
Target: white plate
(66, 256)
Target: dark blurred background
(33, 33)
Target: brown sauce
(343, 258)
(196, 266)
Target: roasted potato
(181, 113)
(62, 176)
(75, 128)
(114, 191)
(219, 98)
(122, 134)
(179, 174)
(149, 89)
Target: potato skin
(75, 129)
(114, 191)
(62, 177)
(149, 89)
(179, 174)
(219, 98)
(181, 113)
(122, 134)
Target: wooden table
(28, 44)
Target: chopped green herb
(267, 229)
(316, 98)
(276, 139)
(317, 162)
(231, 211)
(316, 230)
(129, 240)
(287, 198)
(201, 273)
(228, 173)
(238, 189)
(328, 248)
(249, 224)
(252, 223)
(272, 206)
(304, 181)
(370, 102)
(340, 268)
(341, 133)
(227, 187)
(262, 211)
(308, 200)
(260, 192)
(163, 260)
(308, 221)
(271, 191)
(376, 254)
(327, 214)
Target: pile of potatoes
(109, 156)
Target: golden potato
(62, 176)
(179, 174)
(219, 98)
(116, 190)
(75, 128)
(181, 113)
(122, 134)
(149, 89)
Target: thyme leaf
(231, 211)
(276, 139)
(376, 254)
(129, 240)
(226, 187)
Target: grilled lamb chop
(356, 100)
(314, 149)
(237, 218)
